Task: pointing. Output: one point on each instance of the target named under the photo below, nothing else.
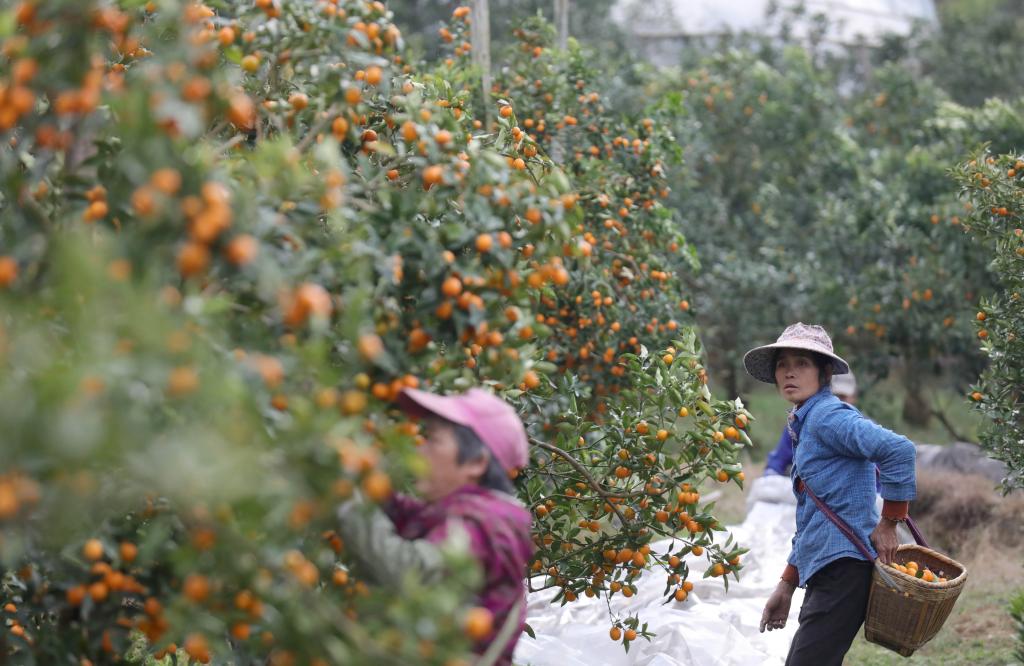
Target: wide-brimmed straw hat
(493, 420)
(810, 337)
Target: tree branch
(941, 416)
(231, 143)
(529, 583)
(582, 470)
(316, 129)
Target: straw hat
(758, 361)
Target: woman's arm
(401, 508)
(854, 435)
(776, 610)
(385, 557)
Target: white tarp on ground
(709, 628)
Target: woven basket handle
(918, 537)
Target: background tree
(818, 192)
(763, 146)
(588, 22)
(979, 36)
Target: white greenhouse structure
(658, 27)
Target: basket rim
(952, 582)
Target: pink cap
(491, 418)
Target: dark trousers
(833, 611)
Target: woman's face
(445, 474)
(796, 375)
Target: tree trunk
(732, 381)
(721, 359)
(562, 23)
(480, 30)
(917, 411)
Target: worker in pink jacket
(473, 442)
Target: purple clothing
(499, 533)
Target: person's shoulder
(829, 408)
(486, 504)
(512, 508)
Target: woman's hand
(885, 540)
(776, 611)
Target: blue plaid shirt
(837, 449)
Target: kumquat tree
(992, 185)
(230, 234)
(610, 327)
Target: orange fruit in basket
(913, 569)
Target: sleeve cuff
(899, 492)
(893, 510)
(791, 575)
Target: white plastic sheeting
(709, 628)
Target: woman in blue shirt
(835, 452)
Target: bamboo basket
(905, 617)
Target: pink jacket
(499, 531)
(497, 525)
